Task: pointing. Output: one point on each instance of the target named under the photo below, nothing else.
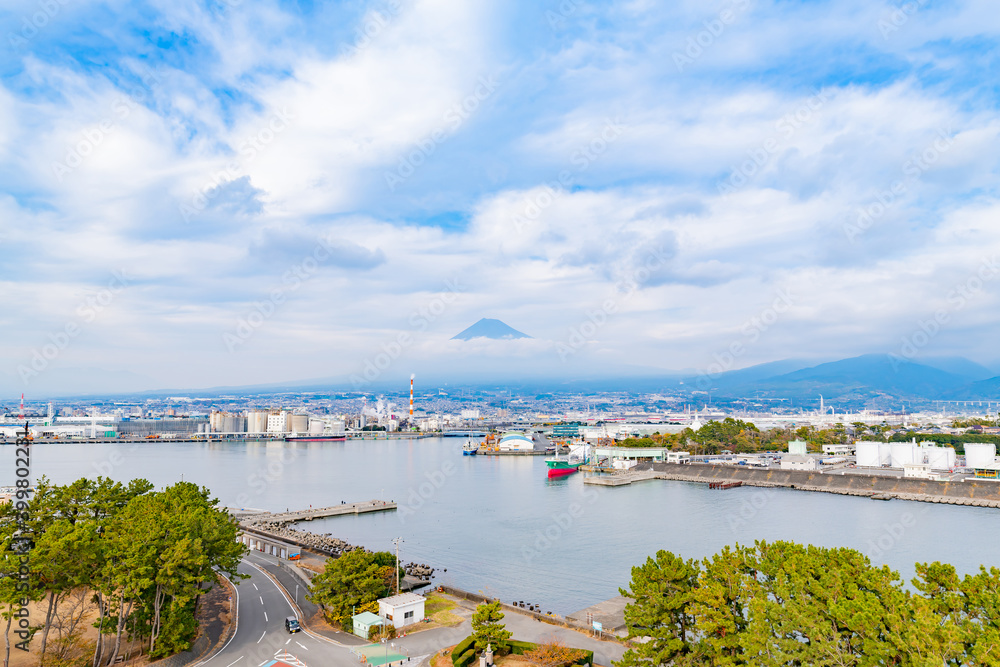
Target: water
(501, 527)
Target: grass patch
(447, 619)
(436, 603)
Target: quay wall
(979, 492)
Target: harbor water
(500, 526)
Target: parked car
(292, 625)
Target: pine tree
(488, 630)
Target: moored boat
(560, 467)
(470, 449)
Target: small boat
(470, 449)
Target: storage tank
(316, 426)
(979, 454)
(940, 458)
(867, 453)
(884, 454)
(256, 421)
(337, 427)
(903, 453)
(298, 424)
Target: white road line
(234, 661)
(262, 664)
(255, 587)
(262, 636)
(289, 639)
(302, 646)
(261, 599)
(265, 617)
(315, 636)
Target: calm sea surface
(500, 526)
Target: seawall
(976, 493)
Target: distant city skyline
(215, 193)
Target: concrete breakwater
(974, 493)
(278, 526)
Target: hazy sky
(198, 193)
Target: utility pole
(396, 542)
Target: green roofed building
(364, 622)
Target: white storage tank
(298, 424)
(884, 454)
(939, 458)
(979, 454)
(316, 426)
(867, 453)
(903, 453)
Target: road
(260, 633)
(261, 636)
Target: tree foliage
(350, 582)
(488, 628)
(142, 556)
(553, 653)
(782, 603)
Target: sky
(196, 193)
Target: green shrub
(520, 648)
(466, 658)
(461, 648)
(588, 659)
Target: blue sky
(231, 192)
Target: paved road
(260, 633)
(261, 636)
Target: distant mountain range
(492, 329)
(857, 379)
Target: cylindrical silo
(298, 424)
(867, 453)
(316, 426)
(884, 454)
(902, 453)
(979, 454)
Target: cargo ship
(560, 467)
(315, 438)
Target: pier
(621, 479)
(336, 510)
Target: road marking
(234, 661)
(255, 587)
(302, 646)
(295, 611)
(265, 617)
(289, 639)
(263, 663)
(261, 599)
(262, 636)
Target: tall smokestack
(411, 398)
(21, 414)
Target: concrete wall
(817, 481)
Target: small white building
(916, 470)
(839, 450)
(402, 609)
(678, 457)
(798, 463)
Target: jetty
(622, 478)
(278, 525)
(336, 510)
